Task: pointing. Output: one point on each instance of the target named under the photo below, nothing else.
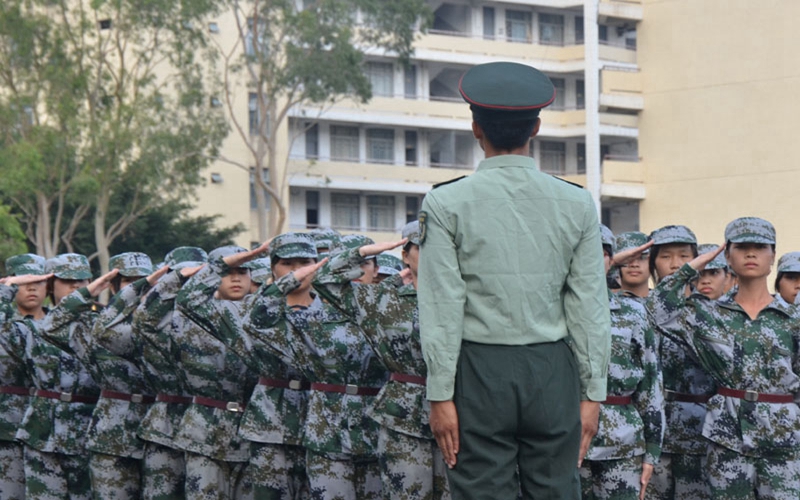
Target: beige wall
(718, 134)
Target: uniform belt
(295, 385)
(618, 400)
(66, 397)
(754, 396)
(169, 398)
(233, 406)
(408, 379)
(122, 396)
(686, 398)
(350, 389)
(19, 391)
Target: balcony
(622, 178)
(621, 9)
(621, 89)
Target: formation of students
(294, 371)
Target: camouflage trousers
(115, 477)
(342, 478)
(733, 476)
(679, 477)
(163, 473)
(12, 472)
(209, 479)
(276, 472)
(412, 468)
(55, 476)
(611, 479)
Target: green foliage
(12, 239)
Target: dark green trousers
(519, 421)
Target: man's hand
(25, 279)
(154, 277)
(626, 256)
(188, 272)
(379, 248)
(101, 283)
(647, 473)
(307, 271)
(590, 414)
(237, 259)
(701, 261)
(444, 424)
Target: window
(312, 141)
(551, 29)
(602, 33)
(518, 26)
(581, 158)
(105, 24)
(254, 120)
(553, 157)
(451, 149)
(488, 22)
(255, 33)
(411, 147)
(381, 77)
(253, 187)
(412, 208)
(630, 40)
(580, 94)
(380, 213)
(344, 143)
(578, 30)
(380, 145)
(215, 102)
(312, 209)
(345, 211)
(410, 82)
(561, 91)
(213, 27)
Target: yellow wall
(718, 134)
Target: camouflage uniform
(216, 456)
(411, 464)
(327, 347)
(755, 445)
(627, 241)
(388, 264)
(325, 240)
(260, 270)
(273, 419)
(163, 464)
(680, 472)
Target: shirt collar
(507, 161)
(778, 304)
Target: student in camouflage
(388, 265)
(260, 272)
(748, 341)
(325, 240)
(412, 466)
(620, 461)
(787, 282)
(218, 380)
(712, 280)
(163, 464)
(679, 474)
(31, 296)
(109, 351)
(634, 276)
(328, 348)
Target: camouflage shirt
(631, 430)
(212, 371)
(389, 318)
(327, 347)
(758, 354)
(13, 371)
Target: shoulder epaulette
(448, 182)
(568, 182)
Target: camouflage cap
(325, 237)
(607, 237)
(356, 241)
(389, 264)
(673, 234)
(69, 266)
(131, 264)
(293, 246)
(719, 261)
(411, 231)
(181, 257)
(789, 263)
(227, 251)
(26, 263)
(750, 230)
(260, 270)
(631, 239)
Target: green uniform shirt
(512, 256)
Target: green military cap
(750, 230)
(411, 232)
(183, 257)
(356, 241)
(673, 234)
(260, 270)
(631, 239)
(69, 266)
(389, 264)
(506, 91)
(719, 261)
(26, 263)
(131, 264)
(227, 251)
(607, 237)
(789, 263)
(293, 246)
(325, 237)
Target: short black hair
(654, 253)
(780, 276)
(506, 135)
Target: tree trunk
(44, 241)
(101, 238)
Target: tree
(12, 239)
(119, 92)
(286, 57)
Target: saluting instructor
(514, 318)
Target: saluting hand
(237, 259)
(444, 425)
(306, 272)
(701, 261)
(626, 256)
(188, 272)
(379, 248)
(154, 277)
(101, 283)
(647, 473)
(25, 279)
